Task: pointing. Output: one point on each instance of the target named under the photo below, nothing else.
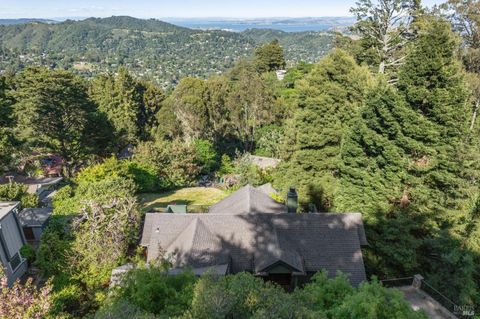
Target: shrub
(18, 192)
(154, 291)
(29, 253)
(29, 200)
(207, 156)
(144, 175)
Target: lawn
(197, 199)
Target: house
(40, 186)
(34, 221)
(264, 162)
(249, 231)
(176, 209)
(280, 74)
(11, 241)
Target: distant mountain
(306, 46)
(151, 48)
(283, 24)
(24, 20)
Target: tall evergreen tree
(129, 104)
(384, 26)
(405, 165)
(269, 57)
(53, 110)
(6, 125)
(330, 98)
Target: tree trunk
(474, 116)
(381, 67)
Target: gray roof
(32, 217)
(7, 207)
(176, 209)
(247, 200)
(267, 189)
(255, 242)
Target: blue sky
(177, 8)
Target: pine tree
(405, 165)
(269, 57)
(330, 98)
(53, 110)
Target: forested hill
(152, 48)
(298, 46)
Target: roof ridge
(185, 232)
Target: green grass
(196, 198)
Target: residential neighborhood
(240, 159)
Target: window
(15, 261)
(29, 235)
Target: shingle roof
(254, 242)
(176, 209)
(34, 216)
(247, 200)
(267, 189)
(7, 207)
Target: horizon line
(181, 17)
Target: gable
(255, 242)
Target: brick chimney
(292, 200)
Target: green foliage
(268, 140)
(250, 173)
(121, 309)
(225, 110)
(89, 234)
(241, 295)
(7, 140)
(54, 248)
(129, 104)
(143, 175)
(28, 252)
(405, 166)
(226, 166)
(97, 46)
(156, 292)
(207, 156)
(149, 292)
(43, 100)
(18, 192)
(329, 99)
(373, 301)
(175, 162)
(384, 27)
(269, 57)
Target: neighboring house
(52, 165)
(11, 241)
(267, 189)
(176, 209)
(280, 74)
(249, 231)
(264, 162)
(126, 153)
(34, 221)
(42, 186)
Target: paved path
(420, 300)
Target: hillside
(24, 20)
(299, 46)
(151, 48)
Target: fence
(397, 282)
(464, 312)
